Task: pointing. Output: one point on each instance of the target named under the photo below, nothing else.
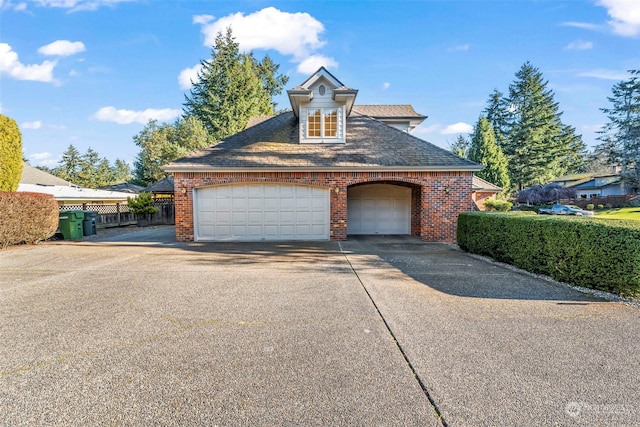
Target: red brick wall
(436, 197)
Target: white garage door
(254, 212)
(379, 209)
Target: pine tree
(232, 87)
(10, 154)
(528, 128)
(485, 150)
(460, 147)
(497, 112)
(621, 134)
(69, 166)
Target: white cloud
(460, 48)
(203, 19)
(579, 45)
(386, 85)
(459, 127)
(188, 75)
(125, 117)
(583, 25)
(78, 5)
(313, 62)
(426, 130)
(9, 5)
(62, 48)
(11, 66)
(32, 125)
(625, 14)
(43, 159)
(604, 74)
(290, 34)
(591, 128)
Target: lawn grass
(632, 214)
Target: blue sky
(92, 72)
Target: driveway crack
(433, 403)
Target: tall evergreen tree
(10, 154)
(69, 166)
(528, 127)
(621, 134)
(232, 87)
(485, 150)
(460, 146)
(497, 112)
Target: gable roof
(31, 175)
(302, 93)
(273, 146)
(165, 185)
(479, 184)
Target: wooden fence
(118, 215)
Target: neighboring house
(322, 171)
(124, 187)
(36, 181)
(162, 189)
(482, 190)
(590, 185)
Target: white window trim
(323, 112)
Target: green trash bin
(70, 223)
(89, 223)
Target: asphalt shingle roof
(387, 111)
(370, 144)
(31, 175)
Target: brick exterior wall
(437, 198)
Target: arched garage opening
(261, 211)
(382, 208)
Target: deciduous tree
(162, 143)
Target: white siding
(322, 101)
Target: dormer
(322, 104)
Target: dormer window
(322, 123)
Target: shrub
(590, 207)
(601, 206)
(11, 149)
(143, 204)
(27, 218)
(497, 205)
(597, 254)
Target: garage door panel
(379, 209)
(261, 212)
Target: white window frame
(323, 112)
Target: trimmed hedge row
(27, 217)
(596, 254)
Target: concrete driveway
(140, 330)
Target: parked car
(565, 210)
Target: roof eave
(443, 168)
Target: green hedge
(597, 254)
(27, 217)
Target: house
(162, 189)
(37, 181)
(124, 187)
(482, 190)
(592, 185)
(324, 170)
